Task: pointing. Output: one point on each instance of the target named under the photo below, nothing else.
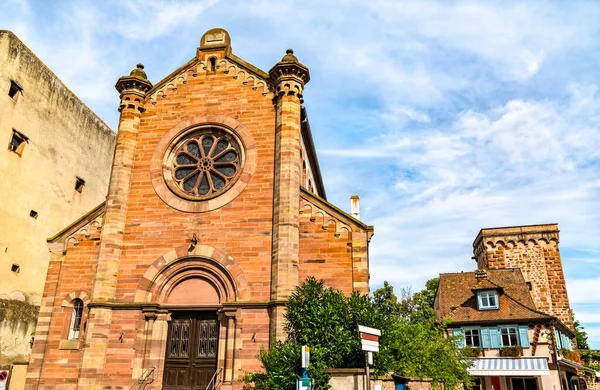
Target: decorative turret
(136, 84)
(289, 76)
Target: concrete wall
(66, 140)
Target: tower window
(33, 214)
(76, 319)
(14, 90)
(528, 285)
(16, 268)
(79, 183)
(17, 142)
(213, 64)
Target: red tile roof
(457, 298)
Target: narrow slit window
(79, 184)
(76, 319)
(14, 90)
(213, 64)
(17, 142)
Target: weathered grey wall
(66, 140)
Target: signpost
(304, 383)
(369, 339)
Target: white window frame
(484, 297)
(467, 337)
(508, 329)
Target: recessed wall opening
(16, 268)
(213, 64)
(79, 184)
(17, 142)
(14, 90)
(528, 285)
(33, 214)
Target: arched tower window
(76, 319)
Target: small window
(14, 90)
(79, 183)
(509, 337)
(528, 285)
(76, 319)
(472, 338)
(33, 214)
(488, 300)
(213, 64)
(17, 142)
(524, 384)
(16, 268)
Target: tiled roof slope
(457, 298)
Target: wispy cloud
(445, 117)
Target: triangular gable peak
(92, 220)
(314, 206)
(213, 53)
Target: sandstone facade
(217, 257)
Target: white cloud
(148, 20)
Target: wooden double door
(192, 349)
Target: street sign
(3, 378)
(369, 338)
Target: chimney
(480, 274)
(354, 207)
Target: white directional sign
(369, 338)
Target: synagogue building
(216, 211)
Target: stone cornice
(513, 235)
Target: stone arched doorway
(189, 297)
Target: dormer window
(487, 300)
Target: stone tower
(533, 249)
(289, 77)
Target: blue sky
(445, 117)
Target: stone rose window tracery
(205, 164)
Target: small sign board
(305, 356)
(369, 338)
(304, 384)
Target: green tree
(412, 344)
(327, 321)
(580, 334)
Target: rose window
(206, 163)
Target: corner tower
(288, 77)
(533, 249)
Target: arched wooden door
(192, 347)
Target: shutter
(523, 336)
(459, 338)
(566, 341)
(485, 338)
(495, 337)
(558, 339)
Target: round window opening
(204, 164)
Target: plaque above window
(203, 164)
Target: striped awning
(526, 366)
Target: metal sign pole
(367, 374)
